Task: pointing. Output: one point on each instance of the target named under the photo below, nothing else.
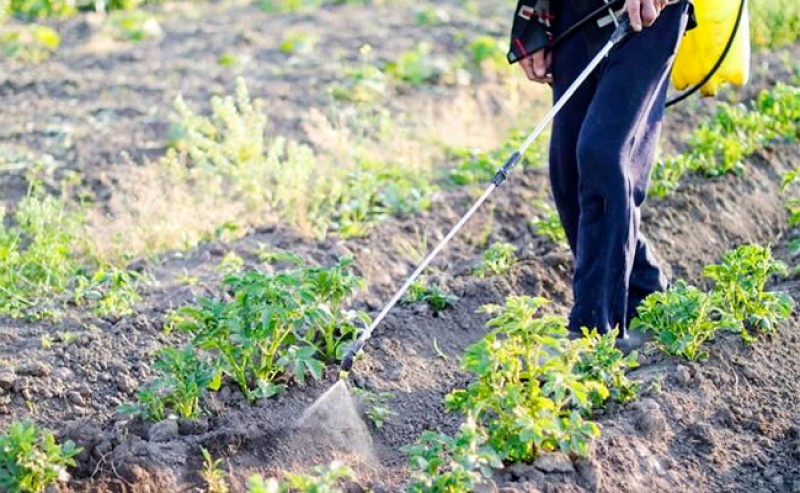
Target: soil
(731, 423)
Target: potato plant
(682, 319)
(325, 479)
(601, 361)
(31, 459)
(548, 224)
(740, 288)
(182, 381)
(275, 326)
(439, 301)
(526, 393)
(497, 260)
(451, 464)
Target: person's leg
(569, 59)
(609, 166)
(646, 275)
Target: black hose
(685, 94)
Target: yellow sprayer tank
(702, 47)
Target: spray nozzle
(349, 359)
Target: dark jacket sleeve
(531, 30)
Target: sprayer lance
(502, 174)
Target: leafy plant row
(683, 318)
(31, 459)
(719, 146)
(268, 331)
(534, 390)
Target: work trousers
(601, 152)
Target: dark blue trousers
(601, 152)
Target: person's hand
(537, 67)
(643, 13)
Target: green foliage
(30, 458)
(774, 23)
(229, 155)
(31, 43)
(719, 146)
(478, 166)
(34, 9)
(298, 43)
(603, 362)
(136, 25)
(212, 473)
(365, 83)
(181, 383)
(275, 325)
(420, 292)
(375, 192)
(418, 66)
(377, 405)
(444, 464)
(740, 288)
(284, 6)
(41, 265)
(487, 53)
(667, 174)
(497, 260)
(326, 479)
(781, 106)
(426, 15)
(548, 224)
(526, 393)
(682, 319)
(793, 202)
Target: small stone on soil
(126, 384)
(75, 398)
(163, 431)
(682, 375)
(7, 379)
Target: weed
(682, 318)
(740, 288)
(30, 458)
(182, 381)
(525, 392)
(31, 43)
(497, 260)
(419, 292)
(548, 224)
(377, 407)
(478, 166)
(365, 83)
(41, 265)
(444, 464)
(212, 473)
(326, 479)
